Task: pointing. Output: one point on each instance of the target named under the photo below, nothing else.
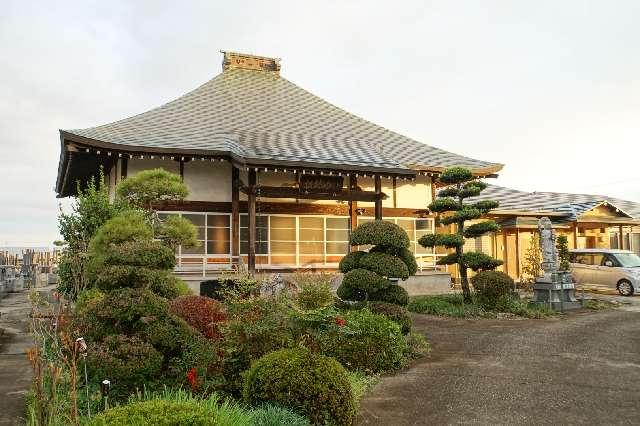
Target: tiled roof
(573, 205)
(261, 116)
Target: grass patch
(446, 305)
(452, 305)
(598, 305)
(222, 412)
(361, 384)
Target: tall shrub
(562, 244)
(532, 264)
(370, 275)
(123, 254)
(150, 189)
(462, 185)
(90, 210)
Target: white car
(609, 269)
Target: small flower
(192, 378)
(341, 321)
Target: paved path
(15, 371)
(583, 368)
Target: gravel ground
(579, 368)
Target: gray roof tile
(572, 204)
(262, 116)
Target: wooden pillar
(353, 205)
(251, 253)
(395, 193)
(575, 235)
(378, 204)
(235, 212)
(505, 253)
(517, 253)
(182, 168)
(123, 167)
(620, 238)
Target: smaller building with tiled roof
(589, 221)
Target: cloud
(549, 88)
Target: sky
(551, 89)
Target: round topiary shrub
(404, 254)
(366, 341)
(314, 385)
(385, 265)
(148, 253)
(202, 313)
(379, 232)
(492, 288)
(351, 294)
(395, 313)
(255, 327)
(373, 275)
(351, 261)
(128, 362)
(159, 281)
(364, 280)
(157, 412)
(393, 294)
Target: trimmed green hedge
(479, 229)
(351, 261)
(394, 312)
(156, 412)
(447, 240)
(477, 260)
(492, 288)
(392, 294)
(364, 280)
(161, 282)
(128, 362)
(467, 213)
(315, 385)
(404, 254)
(367, 342)
(384, 264)
(150, 254)
(351, 294)
(379, 232)
(455, 175)
(486, 205)
(441, 205)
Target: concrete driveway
(580, 368)
(15, 371)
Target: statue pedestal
(557, 290)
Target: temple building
(278, 177)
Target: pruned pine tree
(462, 185)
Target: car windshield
(628, 260)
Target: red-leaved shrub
(202, 313)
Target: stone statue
(555, 288)
(548, 245)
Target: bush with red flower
(192, 378)
(202, 313)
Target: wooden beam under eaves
(284, 192)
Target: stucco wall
(208, 181)
(136, 165)
(211, 181)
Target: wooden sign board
(321, 184)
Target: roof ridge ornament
(234, 60)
